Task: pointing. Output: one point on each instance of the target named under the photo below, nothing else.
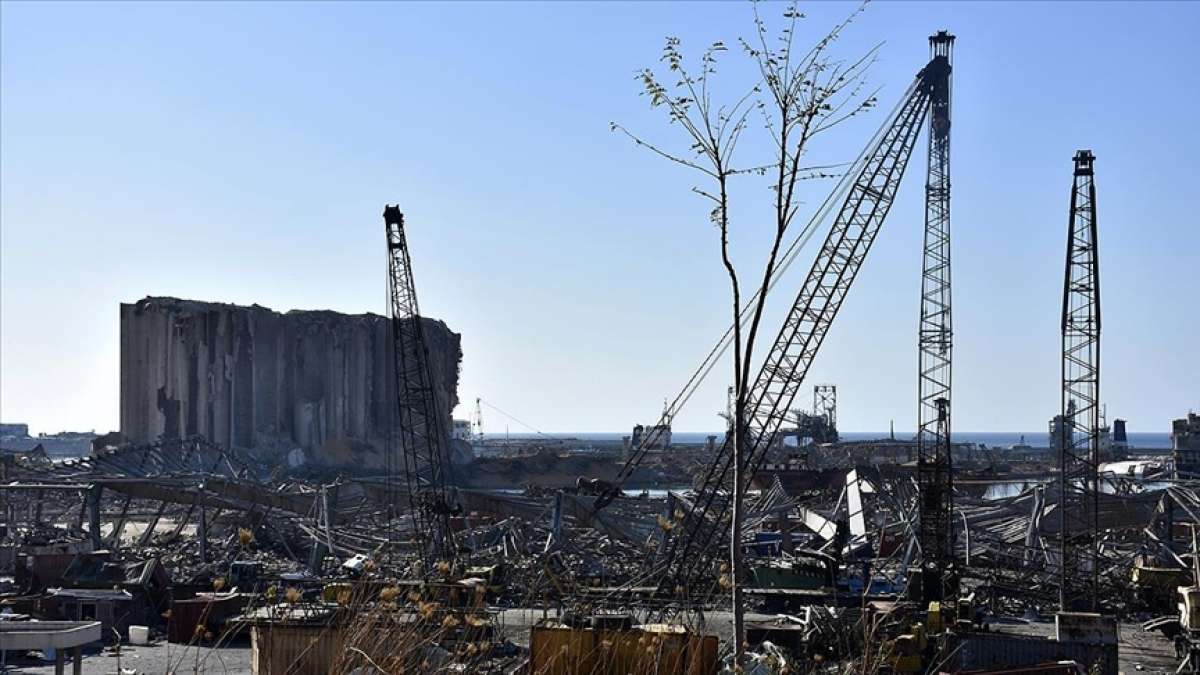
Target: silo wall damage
(305, 387)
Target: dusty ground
(234, 659)
(1151, 651)
(1143, 652)
(155, 659)
(1138, 650)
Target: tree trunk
(735, 543)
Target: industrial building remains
(305, 386)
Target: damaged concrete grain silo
(301, 387)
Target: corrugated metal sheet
(556, 650)
(561, 651)
(294, 650)
(209, 612)
(1055, 668)
(988, 651)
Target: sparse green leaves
(799, 93)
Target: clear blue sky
(243, 153)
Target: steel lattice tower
(422, 426)
(1080, 429)
(935, 339)
(825, 403)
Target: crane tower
(1080, 440)
(423, 434)
(825, 404)
(935, 340)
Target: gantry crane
(421, 424)
(1080, 441)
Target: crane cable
(532, 428)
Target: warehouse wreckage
(156, 535)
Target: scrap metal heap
(186, 525)
(166, 531)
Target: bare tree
(798, 95)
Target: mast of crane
(1080, 441)
(825, 405)
(935, 340)
(477, 432)
(422, 430)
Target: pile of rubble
(199, 545)
(183, 534)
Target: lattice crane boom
(1080, 428)
(842, 254)
(935, 342)
(421, 424)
